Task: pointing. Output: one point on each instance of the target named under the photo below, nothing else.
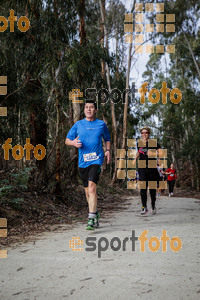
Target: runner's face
(89, 110)
(145, 134)
(172, 166)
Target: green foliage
(178, 123)
(18, 181)
(22, 177)
(15, 203)
(6, 190)
(47, 62)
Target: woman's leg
(153, 176)
(143, 192)
(172, 183)
(153, 198)
(170, 187)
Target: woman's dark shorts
(148, 174)
(90, 173)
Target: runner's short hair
(145, 128)
(91, 101)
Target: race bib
(172, 175)
(90, 156)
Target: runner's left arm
(107, 153)
(108, 145)
(159, 153)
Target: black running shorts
(90, 173)
(148, 174)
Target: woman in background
(147, 173)
(171, 172)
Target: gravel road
(47, 268)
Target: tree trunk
(192, 173)
(194, 60)
(58, 155)
(76, 106)
(76, 112)
(114, 129)
(19, 137)
(38, 124)
(177, 160)
(126, 99)
(197, 175)
(116, 53)
(82, 33)
(127, 94)
(103, 70)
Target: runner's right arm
(136, 157)
(76, 142)
(168, 172)
(72, 138)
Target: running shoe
(153, 211)
(169, 195)
(90, 224)
(144, 210)
(96, 220)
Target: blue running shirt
(90, 134)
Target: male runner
(86, 135)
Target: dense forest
(81, 45)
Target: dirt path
(47, 268)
